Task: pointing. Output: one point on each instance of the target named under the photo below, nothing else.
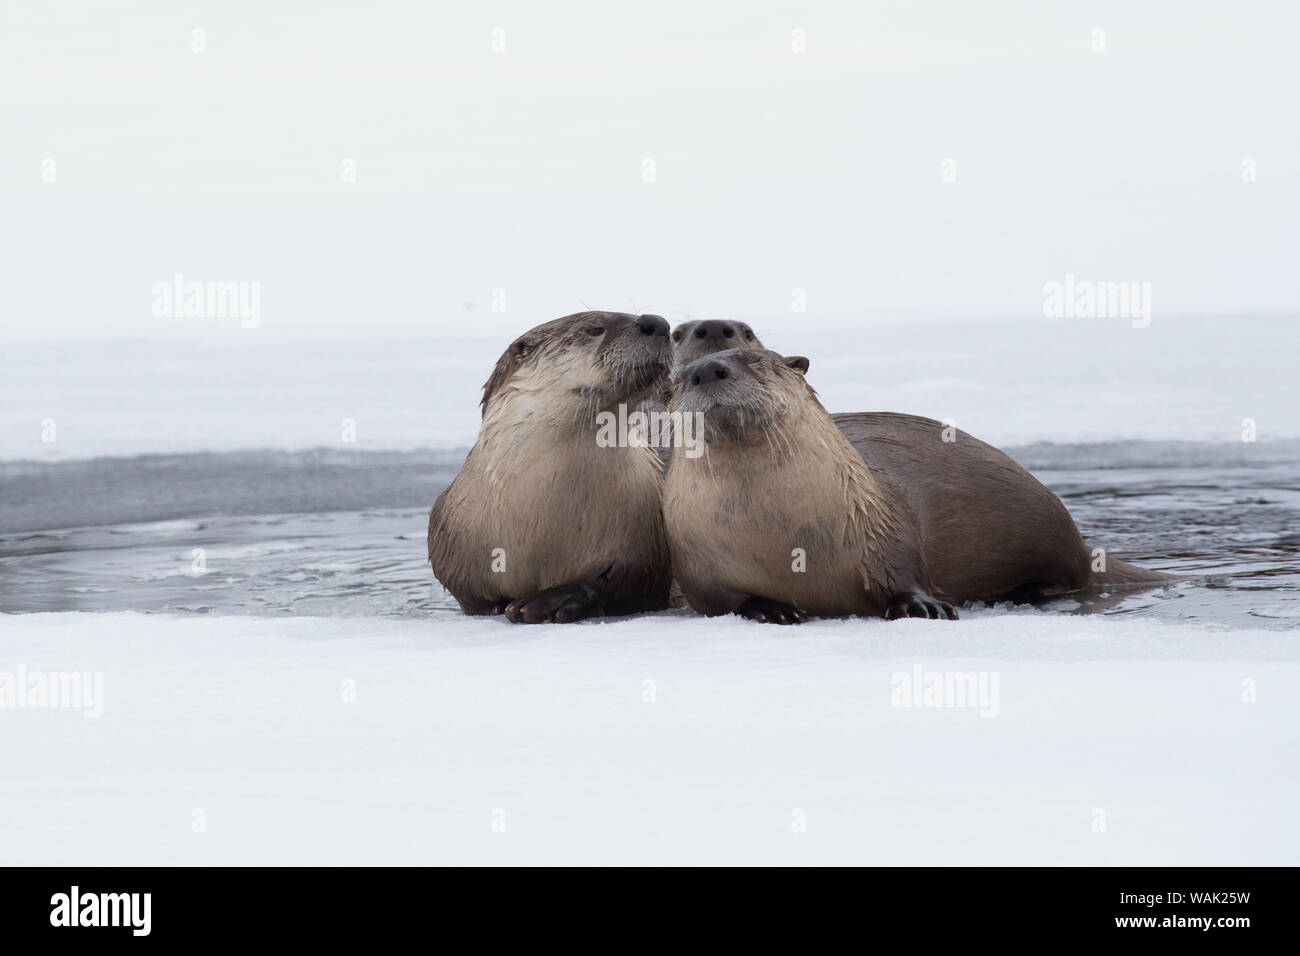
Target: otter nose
(715, 329)
(709, 372)
(653, 325)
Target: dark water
(342, 533)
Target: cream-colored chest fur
(543, 508)
(802, 525)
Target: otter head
(569, 369)
(745, 394)
(694, 340)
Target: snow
(460, 724)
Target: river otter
(693, 340)
(791, 514)
(696, 339)
(542, 523)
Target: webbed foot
(771, 612)
(918, 604)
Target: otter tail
(1121, 574)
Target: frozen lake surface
(335, 533)
(284, 682)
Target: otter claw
(916, 604)
(771, 612)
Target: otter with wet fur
(791, 513)
(693, 340)
(542, 523)
(698, 338)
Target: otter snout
(653, 325)
(638, 353)
(715, 372)
(640, 332)
(739, 390)
(718, 382)
(716, 330)
(704, 373)
(696, 339)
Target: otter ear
(798, 363)
(510, 360)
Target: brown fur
(778, 475)
(989, 529)
(579, 525)
(893, 519)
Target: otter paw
(561, 605)
(771, 612)
(916, 604)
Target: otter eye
(596, 330)
(701, 332)
(677, 336)
(748, 335)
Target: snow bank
(664, 739)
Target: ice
(667, 738)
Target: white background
(522, 170)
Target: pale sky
(525, 170)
